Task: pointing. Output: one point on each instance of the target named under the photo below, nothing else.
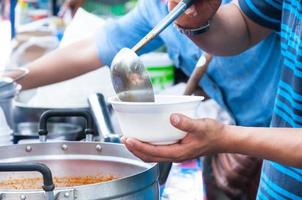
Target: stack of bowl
(8, 90)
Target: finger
(163, 151)
(123, 139)
(147, 158)
(186, 124)
(191, 11)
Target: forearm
(62, 64)
(283, 145)
(230, 33)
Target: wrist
(233, 138)
(194, 30)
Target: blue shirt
(237, 83)
(284, 16)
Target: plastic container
(150, 121)
(110, 8)
(160, 68)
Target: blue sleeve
(266, 13)
(126, 32)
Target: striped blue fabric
(285, 16)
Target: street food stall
(62, 140)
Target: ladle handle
(164, 23)
(48, 185)
(199, 70)
(188, 2)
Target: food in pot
(60, 182)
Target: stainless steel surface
(7, 106)
(162, 25)
(42, 138)
(89, 138)
(25, 113)
(8, 90)
(64, 131)
(13, 75)
(137, 180)
(130, 78)
(50, 195)
(102, 118)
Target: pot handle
(48, 185)
(89, 131)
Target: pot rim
(19, 104)
(147, 168)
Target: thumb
(185, 123)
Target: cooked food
(60, 182)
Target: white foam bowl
(150, 122)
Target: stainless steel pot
(102, 118)
(63, 131)
(136, 179)
(23, 112)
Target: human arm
(89, 54)
(62, 64)
(206, 136)
(231, 31)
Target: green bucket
(102, 9)
(160, 68)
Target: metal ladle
(130, 78)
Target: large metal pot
(63, 131)
(23, 112)
(136, 179)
